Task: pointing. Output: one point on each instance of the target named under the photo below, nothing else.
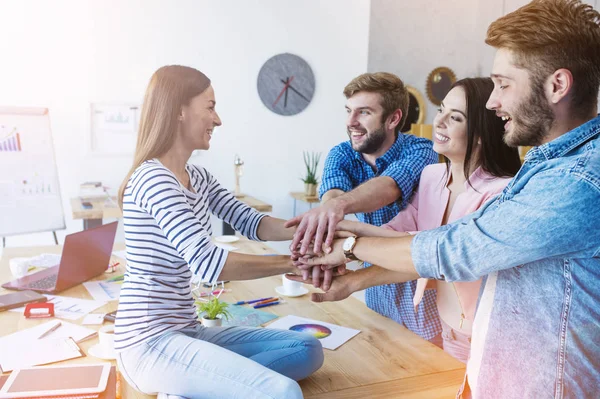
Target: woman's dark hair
(495, 157)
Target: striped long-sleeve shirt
(167, 234)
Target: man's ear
(559, 85)
(394, 119)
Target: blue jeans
(223, 362)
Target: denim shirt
(537, 329)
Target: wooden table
(252, 203)
(101, 208)
(304, 198)
(384, 361)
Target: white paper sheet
(69, 308)
(24, 348)
(121, 254)
(44, 260)
(331, 336)
(93, 318)
(37, 352)
(65, 330)
(103, 290)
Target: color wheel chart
(316, 330)
(10, 142)
(330, 335)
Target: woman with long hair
(478, 167)
(161, 346)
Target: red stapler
(38, 310)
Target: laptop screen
(85, 255)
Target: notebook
(85, 255)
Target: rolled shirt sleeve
(336, 173)
(538, 220)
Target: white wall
(411, 38)
(488, 12)
(65, 54)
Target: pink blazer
(426, 211)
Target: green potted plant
(213, 312)
(311, 161)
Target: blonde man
(373, 175)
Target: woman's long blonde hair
(170, 88)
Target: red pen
(266, 301)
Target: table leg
(91, 223)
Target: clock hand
(295, 91)
(287, 81)
(287, 84)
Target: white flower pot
(212, 322)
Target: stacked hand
(315, 225)
(322, 262)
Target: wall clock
(286, 84)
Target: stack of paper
(25, 348)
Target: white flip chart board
(29, 191)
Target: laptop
(85, 255)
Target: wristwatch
(348, 247)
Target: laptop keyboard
(45, 283)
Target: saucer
(100, 353)
(227, 238)
(300, 292)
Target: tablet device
(18, 299)
(71, 379)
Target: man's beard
(372, 143)
(532, 119)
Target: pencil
(267, 301)
(54, 327)
(264, 305)
(254, 300)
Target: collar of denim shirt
(566, 142)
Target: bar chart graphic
(11, 143)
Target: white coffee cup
(290, 286)
(106, 338)
(19, 266)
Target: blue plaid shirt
(346, 169)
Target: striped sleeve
(228, 208)
(156, 190)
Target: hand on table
(339, 288)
